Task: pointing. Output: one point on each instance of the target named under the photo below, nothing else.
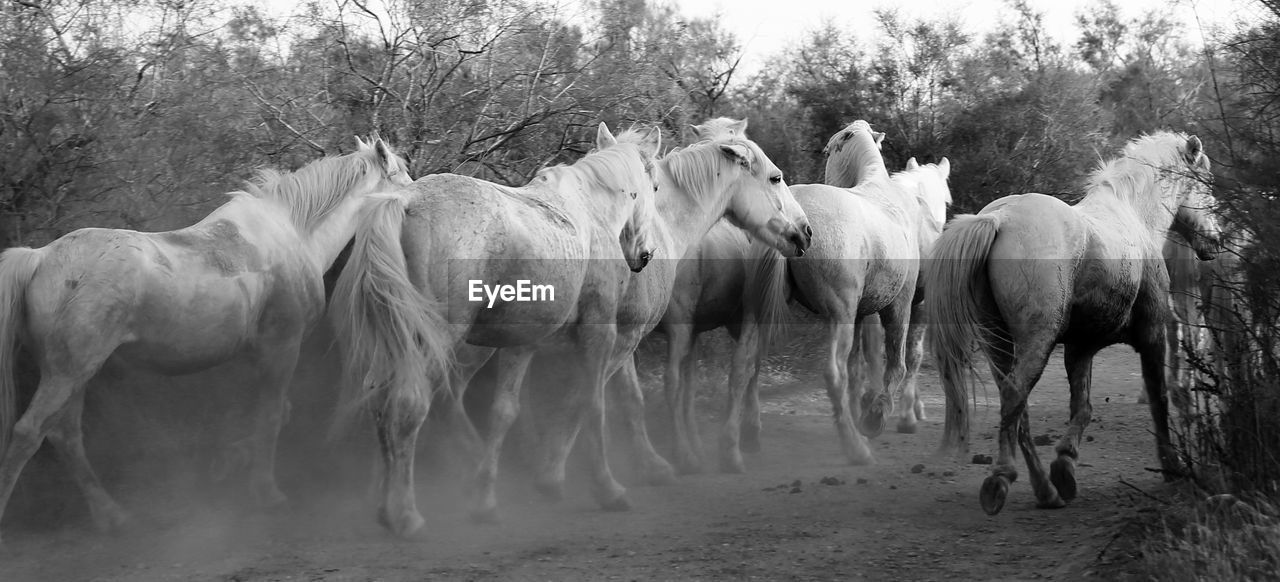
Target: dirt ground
(909, 517)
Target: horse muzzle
(802, 239)
(640, 263)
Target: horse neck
(560, 185)
(688, 216)
(861, 163)
(330, 235)
(911, 182)
(1151, 211)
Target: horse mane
(847, 174)
(313, 191)
(696, 168)
(604, 169)
(916, 177)
(1134, 175)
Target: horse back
(462, 236)
(1053, 269)
(176, 302)
(864, 252)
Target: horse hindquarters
(392, 340)
(56, 407)
(17, 268)
(957, 297)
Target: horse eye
(775, 179)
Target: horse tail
(765, 294)
(958, 299)
(393, 338)
(17, 267)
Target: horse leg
(739, 393)
(398, 420)
(1016, 368)
(276, 365)
(560, 419)
(513, 362)
(852, 443)
(1150, 344)
(470, 359)
(875, 407)
(610, 494)
(67, 438)
(912, 406)
(856, 367)
(748, 343)
(1062, 472)
(51, 398)
(687, 448)
(629, 395)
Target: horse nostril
(808, 231)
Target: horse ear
(653, 141)
(738, 153)
(360, 144)
(697, 130)
(385, 156)
(1194, 150)
(912, 164)
(878, 136)
(945, 167)
(604, 138)
(740, 127)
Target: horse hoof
(688, 464)
(861, 459)
(907, 427)
(552, 491)
(270, 498)
(1062, 473)
(487, 516)
(661, 475)
(995, 489)
(732, 464)
(871, 425)
(110, 518)
(408, 525)
(750, 440)
(618, 503)
(1054, 502)
(383, 519)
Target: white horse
(244, 283)
(928, 184)
(865, 260)
(414, 282)
(1030, 272)
(726, 176)
(707, 294)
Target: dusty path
(885, 522)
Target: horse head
(1194, 219)
(761, 203)
(637, 238)
(853, 155)
(391, 170)
(721, 127)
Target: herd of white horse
(1026, 273)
